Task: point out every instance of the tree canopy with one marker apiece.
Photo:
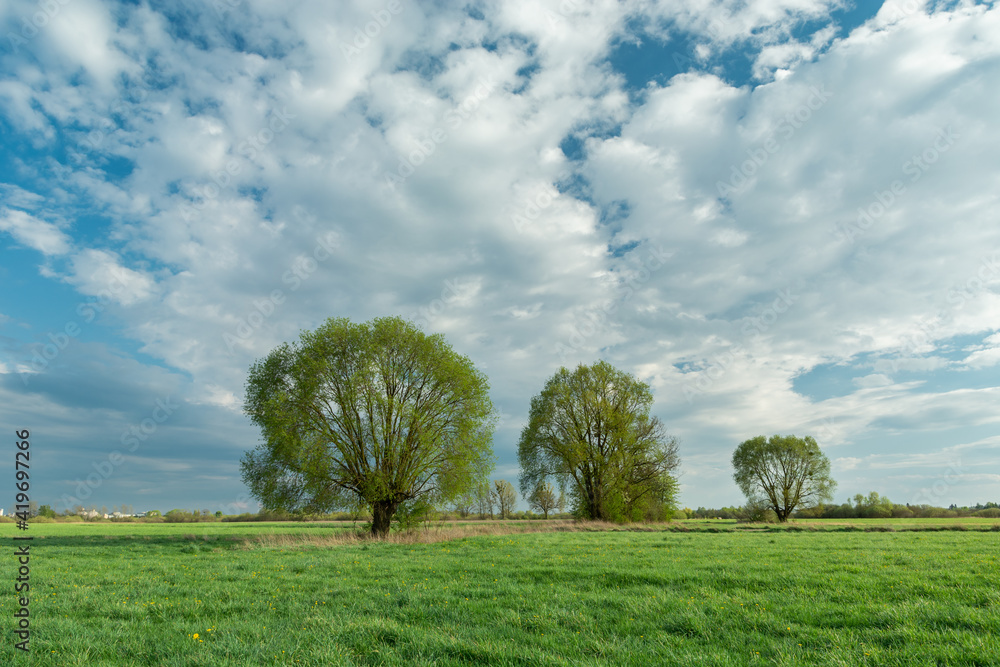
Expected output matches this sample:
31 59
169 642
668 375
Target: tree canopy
590 429
785 472
377 412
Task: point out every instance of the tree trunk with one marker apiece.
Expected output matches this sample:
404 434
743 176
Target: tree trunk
382 513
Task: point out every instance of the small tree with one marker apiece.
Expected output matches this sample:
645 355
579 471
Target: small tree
784 472
464 503
484 500
543 498
505 497
46 511
757 510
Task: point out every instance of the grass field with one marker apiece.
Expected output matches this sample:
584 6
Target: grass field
253 594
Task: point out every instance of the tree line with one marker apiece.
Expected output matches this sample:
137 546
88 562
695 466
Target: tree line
860 507
382 417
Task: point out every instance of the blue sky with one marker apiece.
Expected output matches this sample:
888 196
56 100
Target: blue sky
781 215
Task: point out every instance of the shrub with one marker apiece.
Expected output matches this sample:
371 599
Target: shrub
756 511
901 512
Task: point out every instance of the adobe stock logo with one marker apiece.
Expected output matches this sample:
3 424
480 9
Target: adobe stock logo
741 174
363 38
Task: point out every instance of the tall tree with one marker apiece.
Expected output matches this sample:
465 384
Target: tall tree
590 429
379 412
785 472
484 499
505 497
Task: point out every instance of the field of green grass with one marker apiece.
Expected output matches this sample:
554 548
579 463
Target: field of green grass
242 594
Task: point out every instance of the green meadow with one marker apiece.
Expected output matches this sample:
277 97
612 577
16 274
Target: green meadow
706 593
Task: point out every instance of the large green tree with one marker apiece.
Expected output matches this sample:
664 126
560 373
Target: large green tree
590 429
378 412
785 472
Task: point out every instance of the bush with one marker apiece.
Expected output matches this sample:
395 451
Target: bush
989 513
411 513
901 512
680 515
756 511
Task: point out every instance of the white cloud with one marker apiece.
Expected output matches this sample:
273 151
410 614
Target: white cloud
202 231
870 381
99 273
43 236
983 358
845 463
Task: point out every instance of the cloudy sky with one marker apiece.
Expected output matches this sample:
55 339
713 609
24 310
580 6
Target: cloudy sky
782 215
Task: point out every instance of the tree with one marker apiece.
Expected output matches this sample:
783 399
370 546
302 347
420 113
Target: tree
784 472
590 429
505 497
46 511
379 412
543 498
464 503
484 499
873 507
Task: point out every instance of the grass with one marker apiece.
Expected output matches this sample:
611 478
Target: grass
251 594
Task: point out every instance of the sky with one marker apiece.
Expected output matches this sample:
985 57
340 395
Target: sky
780 215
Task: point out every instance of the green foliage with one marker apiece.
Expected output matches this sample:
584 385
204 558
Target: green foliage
783 472
590 430
46 511
152 513
756 510
505 497
378 412
543 498
412 513
874 506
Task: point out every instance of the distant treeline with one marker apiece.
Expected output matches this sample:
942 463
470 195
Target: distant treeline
872 506
204 516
